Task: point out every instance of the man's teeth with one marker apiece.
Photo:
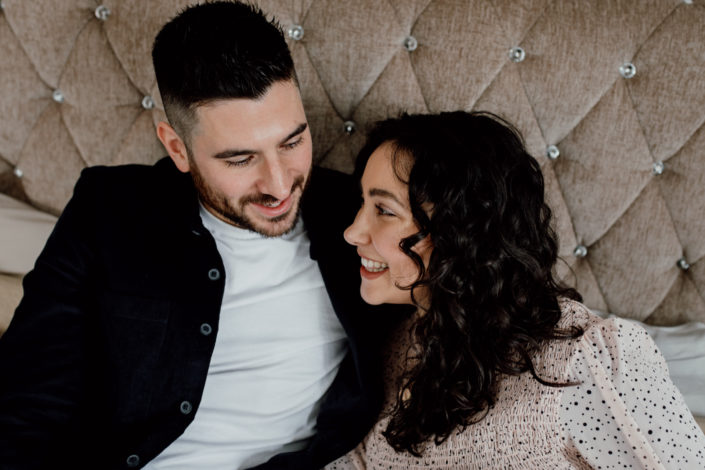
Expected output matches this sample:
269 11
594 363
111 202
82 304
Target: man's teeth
373 266
272 204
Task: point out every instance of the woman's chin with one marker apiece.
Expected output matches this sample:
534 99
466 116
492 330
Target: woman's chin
371 299
379 298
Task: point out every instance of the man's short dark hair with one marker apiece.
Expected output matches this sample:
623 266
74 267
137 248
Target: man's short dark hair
217 50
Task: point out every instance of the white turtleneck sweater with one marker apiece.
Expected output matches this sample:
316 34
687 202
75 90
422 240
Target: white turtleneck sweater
278 349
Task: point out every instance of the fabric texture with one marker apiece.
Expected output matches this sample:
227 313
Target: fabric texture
683 347
625 413
628 182
10 295
278 350
106 346
23 232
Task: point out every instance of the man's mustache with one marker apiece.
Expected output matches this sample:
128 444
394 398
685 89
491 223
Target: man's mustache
264 199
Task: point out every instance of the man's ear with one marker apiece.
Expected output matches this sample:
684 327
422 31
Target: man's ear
174 146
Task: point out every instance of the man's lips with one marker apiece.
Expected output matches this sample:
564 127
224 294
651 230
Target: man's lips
281 208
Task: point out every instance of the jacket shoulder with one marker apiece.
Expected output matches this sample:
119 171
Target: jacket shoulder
119 186
331 200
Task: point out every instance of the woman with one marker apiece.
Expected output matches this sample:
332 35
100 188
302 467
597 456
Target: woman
498 366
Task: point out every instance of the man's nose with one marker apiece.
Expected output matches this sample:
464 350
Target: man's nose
275 179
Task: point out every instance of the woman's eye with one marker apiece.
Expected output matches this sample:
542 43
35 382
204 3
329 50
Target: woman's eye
382 211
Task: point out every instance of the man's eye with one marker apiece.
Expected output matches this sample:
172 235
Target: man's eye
241 162
295 143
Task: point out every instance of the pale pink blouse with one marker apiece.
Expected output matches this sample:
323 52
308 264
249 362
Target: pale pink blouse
626 412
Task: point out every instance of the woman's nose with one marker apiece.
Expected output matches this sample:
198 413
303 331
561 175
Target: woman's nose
354 234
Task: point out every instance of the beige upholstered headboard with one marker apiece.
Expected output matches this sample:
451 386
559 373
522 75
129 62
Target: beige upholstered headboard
610 95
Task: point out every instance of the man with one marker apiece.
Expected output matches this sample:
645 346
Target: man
203 312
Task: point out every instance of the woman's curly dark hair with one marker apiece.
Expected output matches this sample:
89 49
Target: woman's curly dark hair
493 296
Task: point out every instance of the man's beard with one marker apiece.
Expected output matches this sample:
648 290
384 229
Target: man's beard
236 216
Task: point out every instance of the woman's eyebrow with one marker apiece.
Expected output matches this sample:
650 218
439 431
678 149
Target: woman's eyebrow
384 193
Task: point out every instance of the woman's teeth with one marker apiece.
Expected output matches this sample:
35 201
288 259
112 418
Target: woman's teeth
373 266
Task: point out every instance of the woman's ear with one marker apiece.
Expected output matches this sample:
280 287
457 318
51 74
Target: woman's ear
424 248
174 146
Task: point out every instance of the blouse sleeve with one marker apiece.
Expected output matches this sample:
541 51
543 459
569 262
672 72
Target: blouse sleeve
626 412
353 460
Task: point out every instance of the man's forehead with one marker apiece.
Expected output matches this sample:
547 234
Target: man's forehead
272 117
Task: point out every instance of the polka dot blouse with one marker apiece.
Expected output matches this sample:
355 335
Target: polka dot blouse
625 413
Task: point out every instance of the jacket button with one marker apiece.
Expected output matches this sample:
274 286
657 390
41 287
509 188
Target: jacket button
186 407
213 274
206 329
133 460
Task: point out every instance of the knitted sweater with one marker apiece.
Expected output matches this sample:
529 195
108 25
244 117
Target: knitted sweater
625 413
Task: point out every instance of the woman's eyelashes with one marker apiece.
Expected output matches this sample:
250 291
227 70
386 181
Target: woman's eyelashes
381 210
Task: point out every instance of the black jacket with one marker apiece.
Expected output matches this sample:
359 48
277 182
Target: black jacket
109 340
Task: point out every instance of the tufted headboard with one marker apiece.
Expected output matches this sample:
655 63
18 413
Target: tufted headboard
609 94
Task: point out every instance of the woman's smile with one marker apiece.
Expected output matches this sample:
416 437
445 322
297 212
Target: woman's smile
383 221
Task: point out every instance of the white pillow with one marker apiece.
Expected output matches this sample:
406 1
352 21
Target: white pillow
23 232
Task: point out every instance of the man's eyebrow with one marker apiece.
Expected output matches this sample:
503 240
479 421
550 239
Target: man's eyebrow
302 127
384 193
232 153
237 152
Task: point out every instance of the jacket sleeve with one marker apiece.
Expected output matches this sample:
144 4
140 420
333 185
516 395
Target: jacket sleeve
44 358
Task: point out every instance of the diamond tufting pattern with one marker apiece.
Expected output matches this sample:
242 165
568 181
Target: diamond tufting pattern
566 90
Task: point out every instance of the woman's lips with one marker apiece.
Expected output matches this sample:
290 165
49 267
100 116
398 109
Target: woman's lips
369 275
372 269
